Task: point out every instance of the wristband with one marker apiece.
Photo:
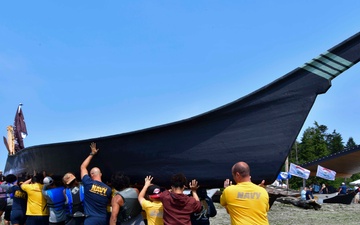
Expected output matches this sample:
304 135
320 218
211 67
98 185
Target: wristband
92 153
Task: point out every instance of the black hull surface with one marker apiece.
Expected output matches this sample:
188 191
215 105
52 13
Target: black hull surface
341 199
259 128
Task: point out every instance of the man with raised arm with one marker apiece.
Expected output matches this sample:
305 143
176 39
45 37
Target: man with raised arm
96 194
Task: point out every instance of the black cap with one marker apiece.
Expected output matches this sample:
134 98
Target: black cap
154 191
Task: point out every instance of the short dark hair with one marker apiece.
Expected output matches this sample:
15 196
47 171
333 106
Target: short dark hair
120 181
242 168
37 178
10 178
178 180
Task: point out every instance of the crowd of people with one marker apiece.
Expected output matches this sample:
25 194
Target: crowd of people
42 198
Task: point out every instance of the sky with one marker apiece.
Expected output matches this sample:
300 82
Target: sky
88 69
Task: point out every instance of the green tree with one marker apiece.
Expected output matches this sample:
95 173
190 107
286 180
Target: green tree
316 143
350 143
313 143
334 142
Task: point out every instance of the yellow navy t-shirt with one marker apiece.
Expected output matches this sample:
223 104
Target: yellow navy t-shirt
246 203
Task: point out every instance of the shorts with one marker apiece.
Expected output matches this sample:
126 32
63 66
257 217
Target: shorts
94 220
18 217
3 204
75 221
7 213
37 220
58 223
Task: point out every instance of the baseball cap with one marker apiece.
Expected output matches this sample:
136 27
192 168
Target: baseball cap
154 191
68 178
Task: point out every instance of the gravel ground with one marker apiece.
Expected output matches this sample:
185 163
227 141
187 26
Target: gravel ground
281 214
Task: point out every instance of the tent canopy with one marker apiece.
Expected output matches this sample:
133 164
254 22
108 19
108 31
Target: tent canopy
355 182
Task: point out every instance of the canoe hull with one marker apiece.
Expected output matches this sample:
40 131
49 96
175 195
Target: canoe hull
259 129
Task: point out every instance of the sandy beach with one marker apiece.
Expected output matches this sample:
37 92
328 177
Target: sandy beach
281 214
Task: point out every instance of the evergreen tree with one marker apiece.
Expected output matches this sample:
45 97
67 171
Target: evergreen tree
334 142
316 143
313 143
350 143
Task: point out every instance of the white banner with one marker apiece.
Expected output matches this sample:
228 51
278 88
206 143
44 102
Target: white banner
325 173
298 171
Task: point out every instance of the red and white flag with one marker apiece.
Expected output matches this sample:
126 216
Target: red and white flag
298 171
325 173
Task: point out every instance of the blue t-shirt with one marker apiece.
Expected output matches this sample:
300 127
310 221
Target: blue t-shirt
343 190
19 198
96 197
309 194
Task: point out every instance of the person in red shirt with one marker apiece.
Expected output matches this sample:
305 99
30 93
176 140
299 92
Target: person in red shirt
178 207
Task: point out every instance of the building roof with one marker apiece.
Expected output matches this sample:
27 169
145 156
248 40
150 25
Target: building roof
344 163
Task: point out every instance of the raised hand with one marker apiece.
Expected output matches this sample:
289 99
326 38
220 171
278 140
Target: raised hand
262 184
227 183
193 185
148 180
94 150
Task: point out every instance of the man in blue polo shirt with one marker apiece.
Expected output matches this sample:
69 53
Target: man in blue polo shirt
96 194
342 189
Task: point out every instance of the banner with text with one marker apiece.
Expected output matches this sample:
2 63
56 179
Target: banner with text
298 171
325 173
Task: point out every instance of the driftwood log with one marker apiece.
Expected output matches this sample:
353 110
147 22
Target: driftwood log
305 204
277 192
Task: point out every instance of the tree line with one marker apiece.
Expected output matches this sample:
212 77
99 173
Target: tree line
315 143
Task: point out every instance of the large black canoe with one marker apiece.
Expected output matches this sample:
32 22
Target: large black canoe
259 128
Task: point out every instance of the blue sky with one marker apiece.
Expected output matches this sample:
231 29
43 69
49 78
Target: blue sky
88 69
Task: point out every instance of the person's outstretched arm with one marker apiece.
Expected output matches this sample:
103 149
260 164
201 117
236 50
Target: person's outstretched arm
116 202
85 164
147 184
194 186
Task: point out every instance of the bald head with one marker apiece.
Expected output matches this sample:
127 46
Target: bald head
95 173
241 171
